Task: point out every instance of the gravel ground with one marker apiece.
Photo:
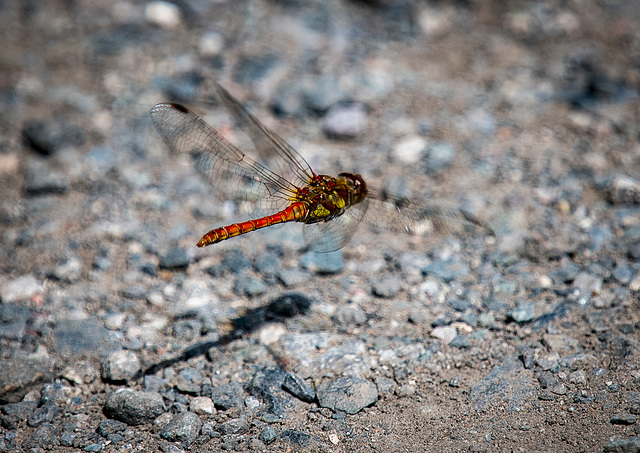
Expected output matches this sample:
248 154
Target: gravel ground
118 334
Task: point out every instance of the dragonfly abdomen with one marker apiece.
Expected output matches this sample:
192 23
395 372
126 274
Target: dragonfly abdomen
296 211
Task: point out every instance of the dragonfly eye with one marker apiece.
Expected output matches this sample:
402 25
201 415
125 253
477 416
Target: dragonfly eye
356 183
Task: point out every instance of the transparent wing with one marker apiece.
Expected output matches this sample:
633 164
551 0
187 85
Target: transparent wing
335 234
272 148
233 175
402 216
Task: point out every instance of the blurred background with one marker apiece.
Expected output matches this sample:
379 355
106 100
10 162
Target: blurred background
523 113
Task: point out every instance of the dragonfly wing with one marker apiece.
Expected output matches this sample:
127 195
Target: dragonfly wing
400 215
336 233
233 174
272 148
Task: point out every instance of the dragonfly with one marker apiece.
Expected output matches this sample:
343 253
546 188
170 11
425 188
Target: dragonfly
331 207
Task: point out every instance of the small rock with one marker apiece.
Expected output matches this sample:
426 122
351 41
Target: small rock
323 263
267 385
20 289
44 414
622 274
445 334
13 321
234 426
44 437
175 259
227 396
271 332
19 376
121 366
211 44
588 284
347 394
447 271
623 190
251 287
202 405
387 287
292 277
560 343
349 315
69 271
297 386
251 68
134 407
267 435
410 150
14 414
628 445
51 136
107 427
578 377
163 14
84 335
565 274
523 313
184 427
345 122
624 419
437 157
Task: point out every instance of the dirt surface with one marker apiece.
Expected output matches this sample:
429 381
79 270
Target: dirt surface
118 334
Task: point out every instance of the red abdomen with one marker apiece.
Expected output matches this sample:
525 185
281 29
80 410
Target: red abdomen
297 211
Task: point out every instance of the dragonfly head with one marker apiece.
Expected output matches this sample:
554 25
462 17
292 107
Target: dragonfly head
357 186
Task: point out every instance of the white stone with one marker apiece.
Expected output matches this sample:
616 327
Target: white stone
163 14
202 405
270 333
22 288
211 44
410 149
446 334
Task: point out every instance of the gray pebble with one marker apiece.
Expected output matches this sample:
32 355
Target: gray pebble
349 315
121 366
437 157
68 271
347 394
446 270
323 263
238 425
345 121
47 137
134 407
226 396
107 427
184 427
176 258
19 376
267 386
387 287
624 419
628 445
267 435
249 286
523 313
84 335
13 321
564 274
44 414
43 437
299 388
11 415
622 274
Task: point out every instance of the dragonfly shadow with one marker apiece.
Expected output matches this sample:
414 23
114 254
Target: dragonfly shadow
286 306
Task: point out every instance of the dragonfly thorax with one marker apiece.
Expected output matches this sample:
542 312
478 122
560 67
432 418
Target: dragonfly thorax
327 197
